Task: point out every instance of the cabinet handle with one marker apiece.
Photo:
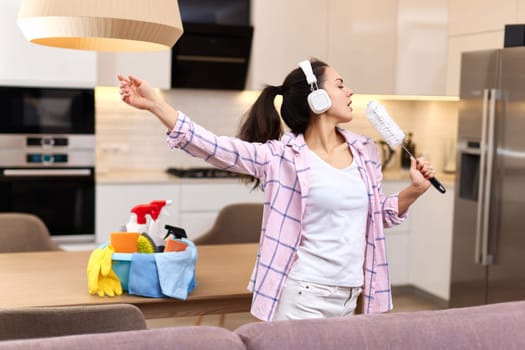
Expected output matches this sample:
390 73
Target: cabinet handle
47 172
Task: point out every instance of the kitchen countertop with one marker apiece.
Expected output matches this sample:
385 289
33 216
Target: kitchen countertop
152 177
160 177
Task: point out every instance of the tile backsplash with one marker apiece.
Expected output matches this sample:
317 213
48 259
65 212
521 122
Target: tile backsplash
130 139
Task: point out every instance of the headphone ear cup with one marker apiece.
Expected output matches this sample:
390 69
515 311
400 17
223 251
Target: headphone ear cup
319 101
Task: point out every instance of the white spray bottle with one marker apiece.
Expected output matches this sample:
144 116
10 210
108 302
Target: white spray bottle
155 231
138 221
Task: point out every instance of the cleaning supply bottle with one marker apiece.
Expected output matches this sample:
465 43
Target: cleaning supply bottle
138 221
175 244
411 147
157 208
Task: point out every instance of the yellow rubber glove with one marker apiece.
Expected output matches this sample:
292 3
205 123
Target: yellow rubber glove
101 278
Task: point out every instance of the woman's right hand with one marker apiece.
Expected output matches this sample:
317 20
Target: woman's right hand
137 93
141 95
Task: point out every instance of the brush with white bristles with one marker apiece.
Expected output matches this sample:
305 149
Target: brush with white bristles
391 133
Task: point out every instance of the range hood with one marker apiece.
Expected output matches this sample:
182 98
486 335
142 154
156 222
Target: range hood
211 56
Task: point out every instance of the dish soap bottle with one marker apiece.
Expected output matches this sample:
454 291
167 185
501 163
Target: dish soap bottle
405 157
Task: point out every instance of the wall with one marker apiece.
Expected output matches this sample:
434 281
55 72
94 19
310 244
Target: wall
131 139
128 138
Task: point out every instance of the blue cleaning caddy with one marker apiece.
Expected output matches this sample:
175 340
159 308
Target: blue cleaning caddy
158 275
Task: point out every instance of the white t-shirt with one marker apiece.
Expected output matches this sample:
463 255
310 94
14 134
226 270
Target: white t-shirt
332 249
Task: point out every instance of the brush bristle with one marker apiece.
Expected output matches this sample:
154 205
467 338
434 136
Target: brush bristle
381 121
145 244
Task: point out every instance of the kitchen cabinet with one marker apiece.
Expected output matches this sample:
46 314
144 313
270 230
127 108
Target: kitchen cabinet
431 242
195 205
378 46
476 16
155 67
398 241
200 203
465 43
114 202
285 33
26 64
419 250
361 43
477 25
421 52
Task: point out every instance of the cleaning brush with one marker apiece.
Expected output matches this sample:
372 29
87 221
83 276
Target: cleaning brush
145 244
391 133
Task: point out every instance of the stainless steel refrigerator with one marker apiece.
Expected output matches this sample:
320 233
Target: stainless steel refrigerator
488 252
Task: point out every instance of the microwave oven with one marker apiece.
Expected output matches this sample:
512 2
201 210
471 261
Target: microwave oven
42 110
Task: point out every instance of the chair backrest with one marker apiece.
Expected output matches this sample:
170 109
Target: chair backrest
24 232
69 320
236 223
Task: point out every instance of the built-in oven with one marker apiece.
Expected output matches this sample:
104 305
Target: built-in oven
47 158
39 110
53 178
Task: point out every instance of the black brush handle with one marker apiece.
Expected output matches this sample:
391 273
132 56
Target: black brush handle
435 182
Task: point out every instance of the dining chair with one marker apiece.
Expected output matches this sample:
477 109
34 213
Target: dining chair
44 322
24 232
235 223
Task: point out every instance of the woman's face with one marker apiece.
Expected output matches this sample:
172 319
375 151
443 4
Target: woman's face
340 95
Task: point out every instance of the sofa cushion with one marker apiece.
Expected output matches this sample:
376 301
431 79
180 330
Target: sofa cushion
180 338
495 326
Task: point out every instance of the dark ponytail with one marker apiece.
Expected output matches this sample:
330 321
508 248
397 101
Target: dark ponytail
263 123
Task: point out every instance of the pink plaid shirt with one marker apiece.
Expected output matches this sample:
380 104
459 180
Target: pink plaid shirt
283 166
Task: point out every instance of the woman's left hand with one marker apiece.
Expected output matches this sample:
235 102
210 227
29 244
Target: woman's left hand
420 171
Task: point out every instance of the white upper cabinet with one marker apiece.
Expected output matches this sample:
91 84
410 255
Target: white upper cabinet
377 46
421 47
521 11
26 64
476 16
285 33
477 25
155 67
362 44
464 43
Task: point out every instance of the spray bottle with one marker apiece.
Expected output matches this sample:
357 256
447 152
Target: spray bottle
175 244
157 208
138 221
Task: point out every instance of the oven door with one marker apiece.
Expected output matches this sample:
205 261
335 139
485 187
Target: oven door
64 198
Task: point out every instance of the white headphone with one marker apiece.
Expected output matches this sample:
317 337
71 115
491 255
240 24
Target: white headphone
318 99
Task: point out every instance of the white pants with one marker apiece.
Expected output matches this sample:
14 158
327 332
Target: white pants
302 300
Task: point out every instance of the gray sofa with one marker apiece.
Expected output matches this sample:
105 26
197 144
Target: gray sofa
495 326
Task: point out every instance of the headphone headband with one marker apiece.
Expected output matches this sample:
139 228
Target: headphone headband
306 66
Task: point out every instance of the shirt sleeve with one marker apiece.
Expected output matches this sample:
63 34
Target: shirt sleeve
224 152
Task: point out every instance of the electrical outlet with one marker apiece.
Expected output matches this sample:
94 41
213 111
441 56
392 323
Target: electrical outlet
114 148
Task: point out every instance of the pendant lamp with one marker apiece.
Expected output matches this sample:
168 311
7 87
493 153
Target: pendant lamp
102 25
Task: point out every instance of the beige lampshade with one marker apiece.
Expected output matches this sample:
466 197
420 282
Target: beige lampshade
102 25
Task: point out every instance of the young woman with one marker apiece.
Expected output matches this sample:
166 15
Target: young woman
322 240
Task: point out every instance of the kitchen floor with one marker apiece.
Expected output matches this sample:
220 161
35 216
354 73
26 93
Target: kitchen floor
405 299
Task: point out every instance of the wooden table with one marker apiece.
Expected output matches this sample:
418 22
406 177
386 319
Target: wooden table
43 279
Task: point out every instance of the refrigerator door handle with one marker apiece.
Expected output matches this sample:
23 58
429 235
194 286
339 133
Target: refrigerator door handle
485 177
485 258
481 185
